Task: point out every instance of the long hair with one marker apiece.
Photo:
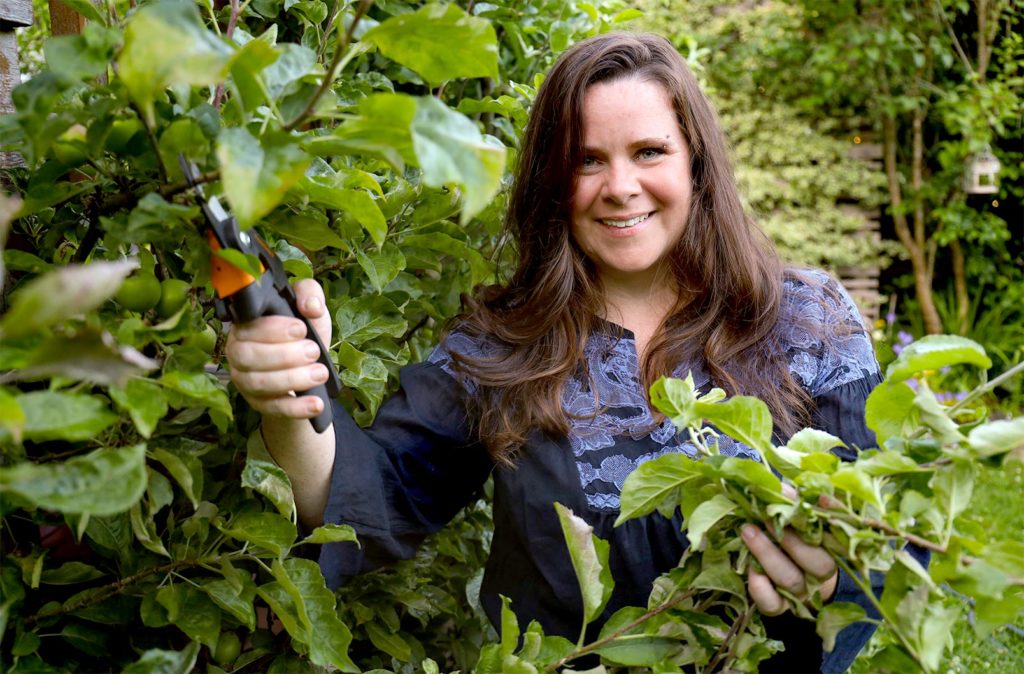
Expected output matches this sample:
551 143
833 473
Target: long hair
729 276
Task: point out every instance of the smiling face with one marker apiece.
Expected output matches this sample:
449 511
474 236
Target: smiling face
632 194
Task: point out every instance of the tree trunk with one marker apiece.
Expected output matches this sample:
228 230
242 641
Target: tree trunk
913 242
963 299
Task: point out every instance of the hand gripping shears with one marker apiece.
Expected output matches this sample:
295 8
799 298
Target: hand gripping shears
241 297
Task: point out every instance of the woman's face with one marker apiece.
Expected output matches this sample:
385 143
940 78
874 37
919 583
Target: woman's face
632 194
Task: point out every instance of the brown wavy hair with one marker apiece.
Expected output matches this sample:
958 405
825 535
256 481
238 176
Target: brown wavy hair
728 273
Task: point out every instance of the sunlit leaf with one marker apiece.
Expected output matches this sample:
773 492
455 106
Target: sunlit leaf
144 401
266 477
267 530
104 482
933 352
654 485
86 356
997 437
381 266
440 42
706 516
165 43
62 294
157 661
332 533
833 618
450 149
589 555
257 173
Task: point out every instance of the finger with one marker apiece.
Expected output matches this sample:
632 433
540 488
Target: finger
304 407
269 329
310 298
789 490
811 558
782 571
277 383
248 356
762 591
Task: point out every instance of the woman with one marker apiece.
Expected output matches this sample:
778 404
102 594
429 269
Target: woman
635 260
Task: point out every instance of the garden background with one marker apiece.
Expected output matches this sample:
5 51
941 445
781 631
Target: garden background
145 527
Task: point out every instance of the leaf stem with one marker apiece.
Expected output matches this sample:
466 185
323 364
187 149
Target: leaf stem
590 648
116 587
332 69
982 390
721 655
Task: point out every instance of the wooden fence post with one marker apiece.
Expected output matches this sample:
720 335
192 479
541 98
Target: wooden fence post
13 14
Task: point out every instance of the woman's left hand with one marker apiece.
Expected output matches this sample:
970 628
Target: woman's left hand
786 565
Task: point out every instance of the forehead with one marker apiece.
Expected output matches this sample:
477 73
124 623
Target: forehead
626 106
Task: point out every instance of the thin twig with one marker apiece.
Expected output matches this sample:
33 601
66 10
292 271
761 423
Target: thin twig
116 587
737 628
590 648
331 73
982 390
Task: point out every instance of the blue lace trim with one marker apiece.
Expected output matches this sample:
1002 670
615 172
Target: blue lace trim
612 430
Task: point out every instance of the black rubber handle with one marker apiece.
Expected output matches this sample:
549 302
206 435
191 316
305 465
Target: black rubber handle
279 306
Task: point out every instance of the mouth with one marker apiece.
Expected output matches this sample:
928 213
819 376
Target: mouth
627 223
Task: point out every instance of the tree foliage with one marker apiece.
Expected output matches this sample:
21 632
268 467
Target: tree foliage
145 527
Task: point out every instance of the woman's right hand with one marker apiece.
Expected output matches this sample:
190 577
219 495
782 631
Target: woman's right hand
270 358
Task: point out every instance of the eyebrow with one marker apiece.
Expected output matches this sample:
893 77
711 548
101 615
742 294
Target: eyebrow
640 143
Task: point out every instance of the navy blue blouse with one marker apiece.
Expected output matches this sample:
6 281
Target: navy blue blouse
409 473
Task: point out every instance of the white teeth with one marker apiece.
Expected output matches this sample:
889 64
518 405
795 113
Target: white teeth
622 224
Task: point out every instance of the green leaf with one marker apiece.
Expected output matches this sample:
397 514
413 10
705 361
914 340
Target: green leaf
888 410
382 129
509 628
266 477
361 206
833 618
332 533
104 482
953 485
382 266
811 441
440 42
237 602
61 294
717 574
308 229
389 642
450 149
144 401
934 416
328 638
742 418
165 43
589 556
654 485
157 661
256 175
145 531
997 437
55 415
676 398
12 417
360 319
191 611
186 470
933 352
86 356
705 516
639 650
70 573
199 388
267 530
859 483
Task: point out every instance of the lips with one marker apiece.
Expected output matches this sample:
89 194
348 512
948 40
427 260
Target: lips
624 223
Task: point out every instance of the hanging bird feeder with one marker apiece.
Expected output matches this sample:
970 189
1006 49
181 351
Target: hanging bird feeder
981 175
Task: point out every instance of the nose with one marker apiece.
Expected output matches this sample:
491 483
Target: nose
622 182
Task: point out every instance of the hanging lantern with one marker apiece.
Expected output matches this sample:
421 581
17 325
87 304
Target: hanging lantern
981 175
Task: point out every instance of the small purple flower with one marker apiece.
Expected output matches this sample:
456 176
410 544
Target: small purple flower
904 337
943 397
890 318
897 349
912 383
959 396
944 370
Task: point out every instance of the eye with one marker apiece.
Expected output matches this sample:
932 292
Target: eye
650 152
588 162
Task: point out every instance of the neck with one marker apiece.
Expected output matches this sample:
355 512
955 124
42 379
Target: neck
640 308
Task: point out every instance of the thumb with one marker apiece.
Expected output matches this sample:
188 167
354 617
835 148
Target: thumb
309 296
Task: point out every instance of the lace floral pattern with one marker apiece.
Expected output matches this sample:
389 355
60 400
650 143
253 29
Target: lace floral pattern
612 430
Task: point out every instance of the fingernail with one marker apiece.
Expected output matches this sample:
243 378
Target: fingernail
316 405
312 351
313 305
748 531
318 373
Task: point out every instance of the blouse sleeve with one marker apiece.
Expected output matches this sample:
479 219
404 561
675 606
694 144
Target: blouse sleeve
405 476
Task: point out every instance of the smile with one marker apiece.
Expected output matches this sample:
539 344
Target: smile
623 224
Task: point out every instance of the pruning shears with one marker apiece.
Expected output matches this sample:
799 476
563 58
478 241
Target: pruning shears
241 297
